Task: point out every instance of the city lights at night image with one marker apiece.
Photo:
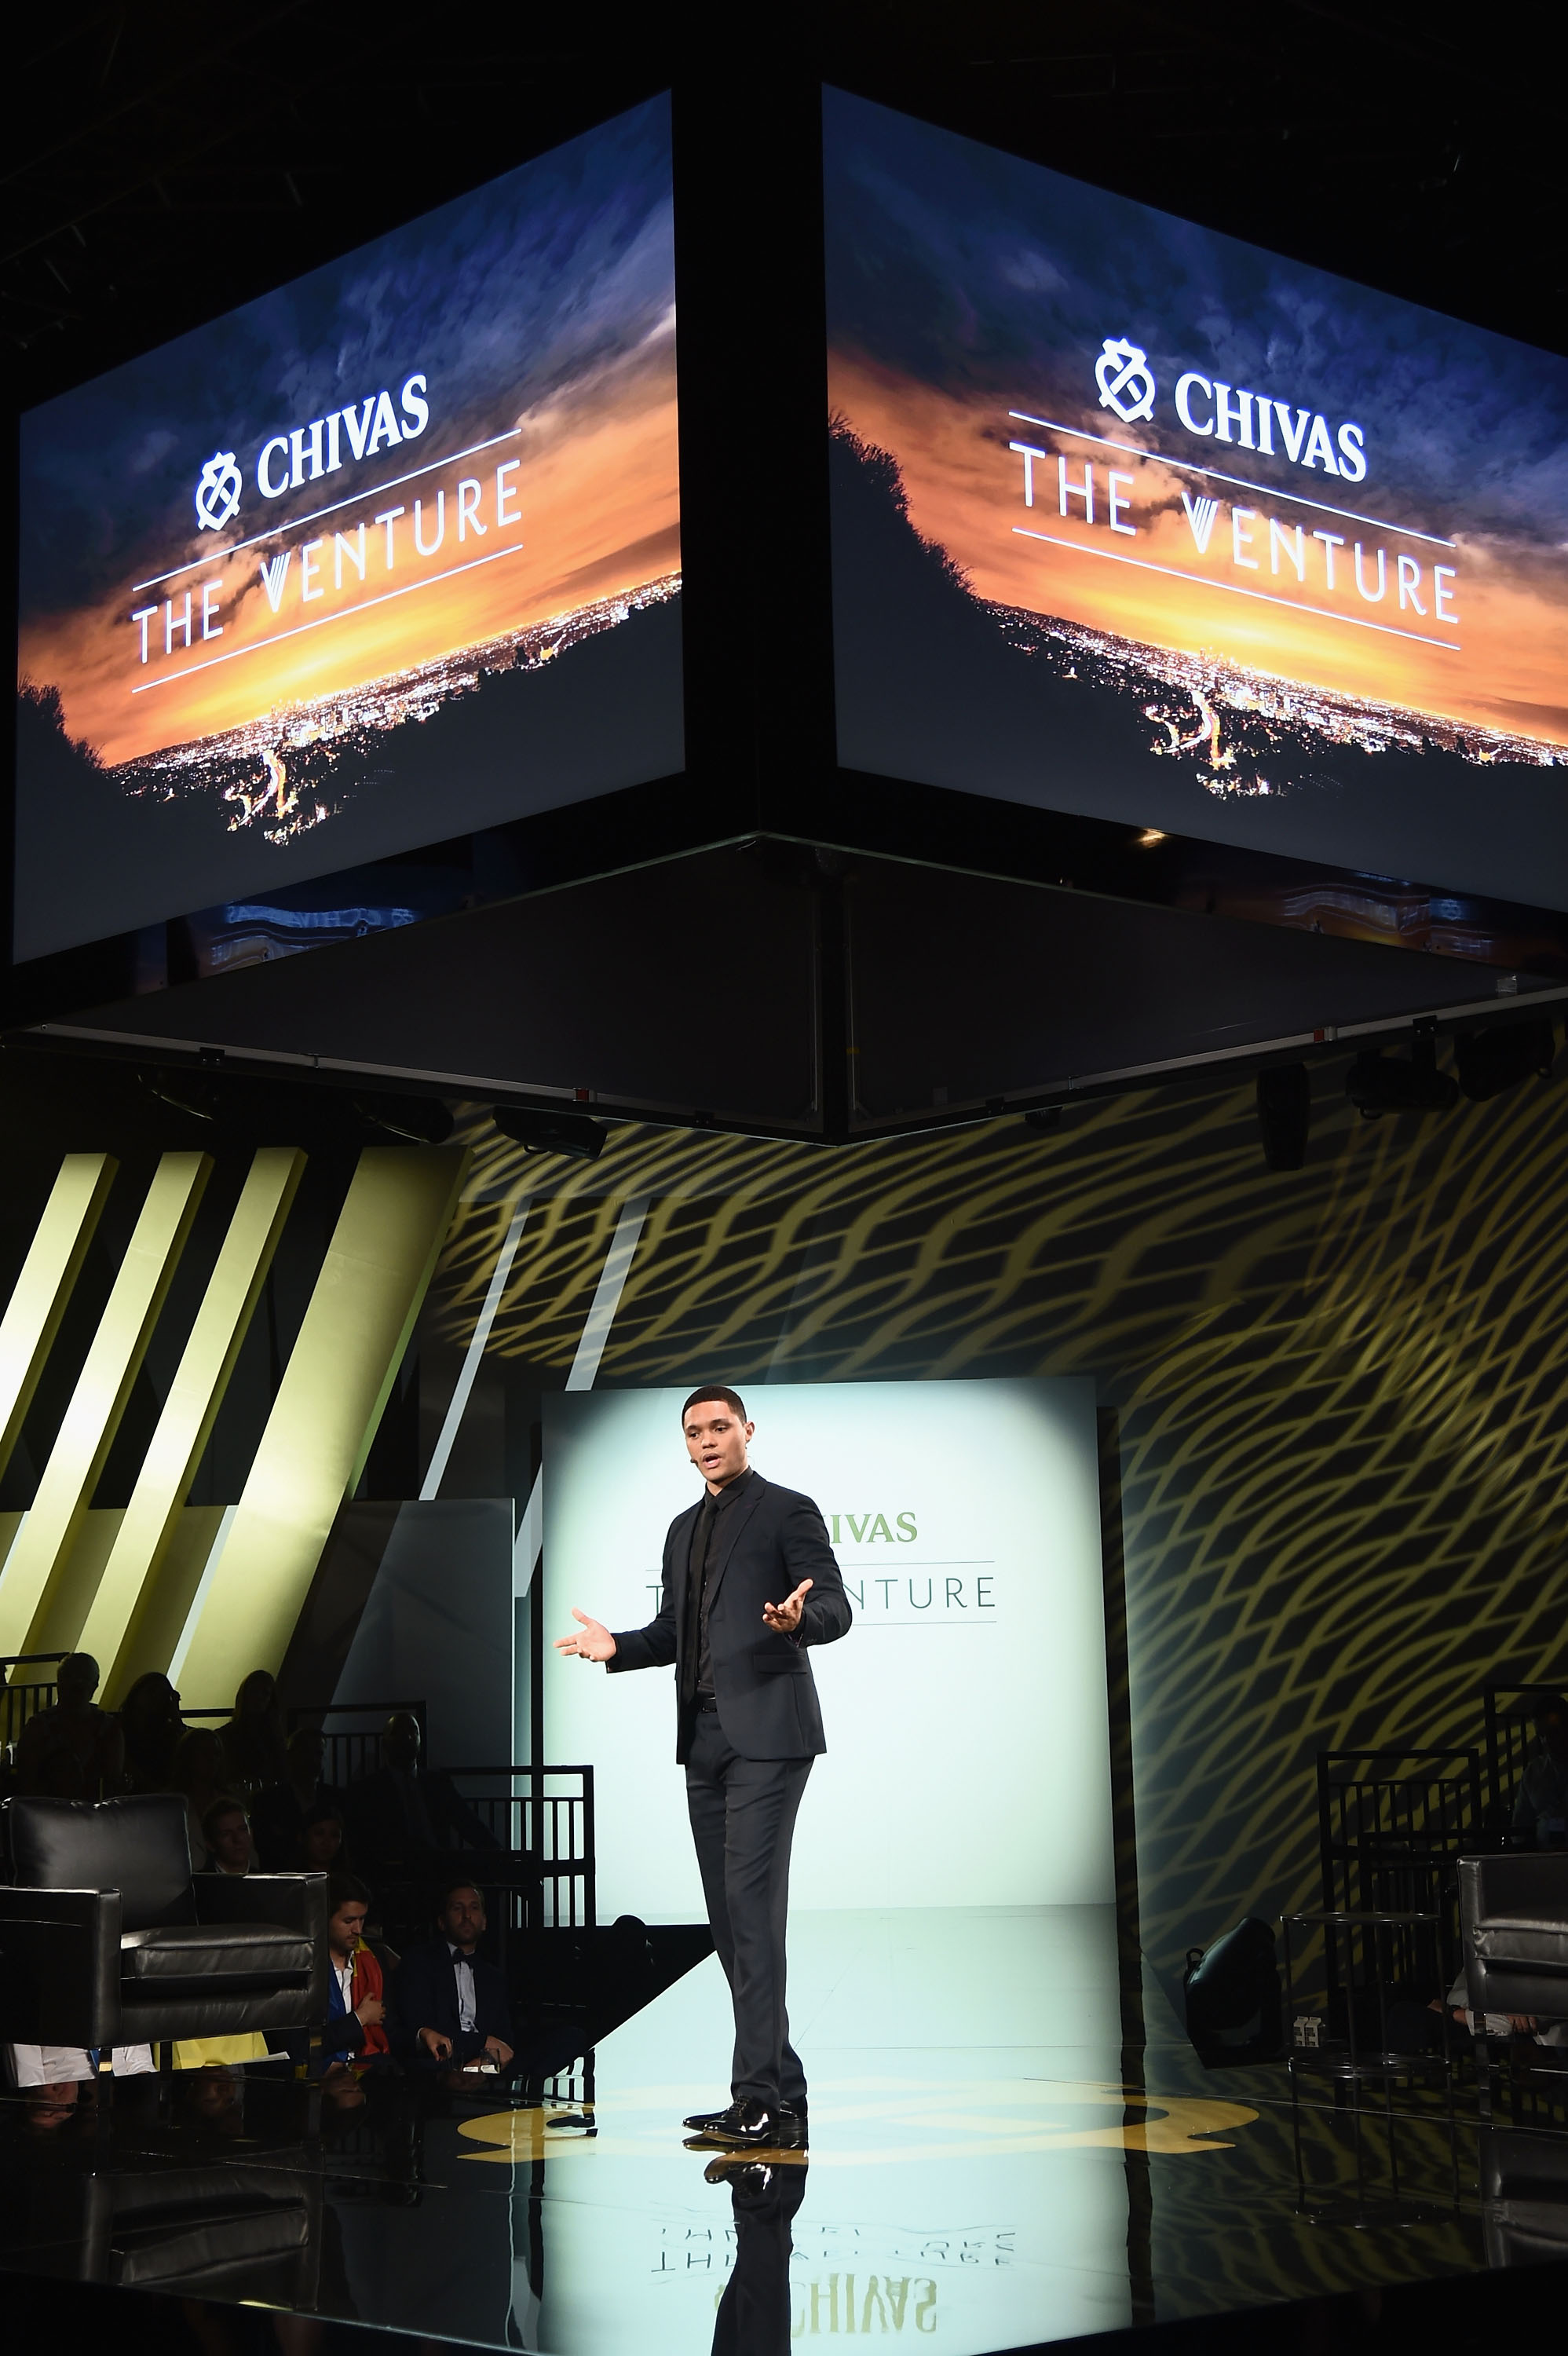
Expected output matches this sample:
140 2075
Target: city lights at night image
1134 520
389 555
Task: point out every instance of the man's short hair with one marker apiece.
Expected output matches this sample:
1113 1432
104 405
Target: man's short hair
345 1890
732 1401
222 1808
458 1881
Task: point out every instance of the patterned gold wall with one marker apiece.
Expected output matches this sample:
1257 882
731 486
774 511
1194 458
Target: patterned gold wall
1339 1394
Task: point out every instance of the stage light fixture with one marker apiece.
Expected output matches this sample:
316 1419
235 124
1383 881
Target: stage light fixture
418 1120
1285 1114
1500 1054
1377 1083
571 1133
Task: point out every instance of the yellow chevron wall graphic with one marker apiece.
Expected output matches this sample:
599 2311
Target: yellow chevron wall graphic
123 1583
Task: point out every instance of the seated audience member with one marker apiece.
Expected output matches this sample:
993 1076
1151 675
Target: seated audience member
401 1817
255 1755
198 1775
281 1812
151 1727
1413 2027
451 2006
226 1836
1540 1809
356 1996
72 1749
322 1847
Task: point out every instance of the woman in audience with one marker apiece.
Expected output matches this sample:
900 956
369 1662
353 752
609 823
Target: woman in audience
151 1726
255 1755
198 1775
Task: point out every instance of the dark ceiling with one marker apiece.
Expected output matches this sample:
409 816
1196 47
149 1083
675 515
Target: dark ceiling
165 162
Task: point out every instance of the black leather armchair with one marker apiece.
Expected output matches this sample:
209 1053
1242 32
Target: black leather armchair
1513 1918
1524 2197
1513 1936
108 1938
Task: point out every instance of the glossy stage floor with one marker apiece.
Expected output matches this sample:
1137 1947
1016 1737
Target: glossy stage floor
1000 2158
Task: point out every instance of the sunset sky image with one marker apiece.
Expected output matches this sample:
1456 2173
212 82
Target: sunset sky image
970 295
1505 666
538 315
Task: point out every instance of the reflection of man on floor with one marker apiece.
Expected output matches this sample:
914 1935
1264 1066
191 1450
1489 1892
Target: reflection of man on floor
452 2006
754 2314
747 1730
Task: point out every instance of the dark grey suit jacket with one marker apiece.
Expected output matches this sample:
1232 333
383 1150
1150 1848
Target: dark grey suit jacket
772 1538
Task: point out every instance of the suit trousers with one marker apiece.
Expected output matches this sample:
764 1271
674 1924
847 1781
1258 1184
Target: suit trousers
743 1820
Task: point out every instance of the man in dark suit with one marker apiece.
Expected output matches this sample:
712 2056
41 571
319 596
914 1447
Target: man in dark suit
748 1728
402 1817
451 2006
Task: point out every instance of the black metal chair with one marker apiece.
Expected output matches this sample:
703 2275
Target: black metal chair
1392 1827
108 1938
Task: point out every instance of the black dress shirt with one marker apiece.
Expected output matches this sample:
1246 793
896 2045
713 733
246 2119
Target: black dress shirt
698 1680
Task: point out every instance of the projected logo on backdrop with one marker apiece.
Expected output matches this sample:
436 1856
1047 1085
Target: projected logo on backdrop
917 1593
385 556
1134 519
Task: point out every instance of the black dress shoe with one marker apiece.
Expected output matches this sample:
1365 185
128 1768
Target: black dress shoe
790 2115
747 2126
700 2121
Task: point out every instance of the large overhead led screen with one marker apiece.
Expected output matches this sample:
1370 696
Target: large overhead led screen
1133 519
385 557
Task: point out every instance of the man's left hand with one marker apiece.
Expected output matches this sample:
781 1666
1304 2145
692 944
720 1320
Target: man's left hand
499 2050
783 1618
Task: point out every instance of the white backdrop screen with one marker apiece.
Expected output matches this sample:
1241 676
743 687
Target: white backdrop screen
967 1757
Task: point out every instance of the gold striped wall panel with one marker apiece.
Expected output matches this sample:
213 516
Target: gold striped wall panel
137 1615
43 1601
356 1329
1341 1395
43 1289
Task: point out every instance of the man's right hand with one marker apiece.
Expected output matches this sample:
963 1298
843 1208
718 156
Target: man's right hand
592 1641
438 2047
371 2012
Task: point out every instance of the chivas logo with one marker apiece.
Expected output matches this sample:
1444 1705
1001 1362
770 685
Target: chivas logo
1126 383
218 492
